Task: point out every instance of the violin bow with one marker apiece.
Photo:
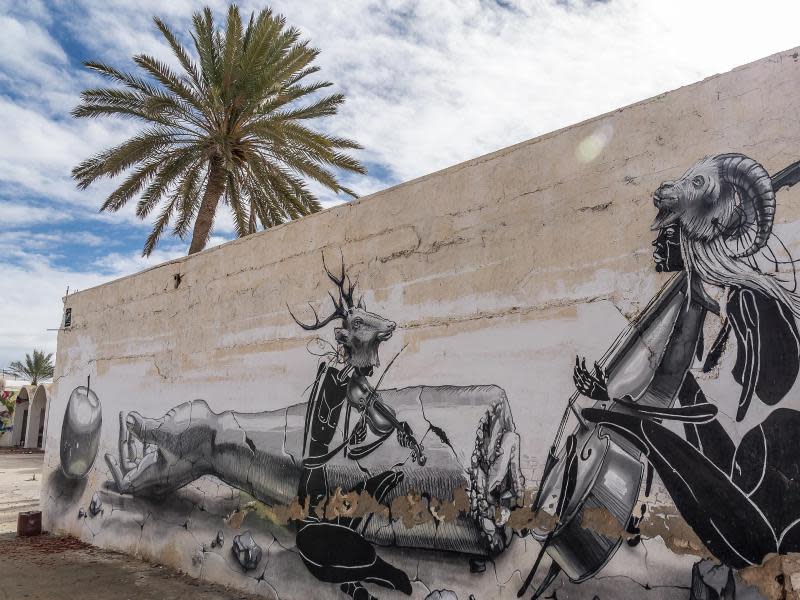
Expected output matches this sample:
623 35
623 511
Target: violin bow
391 362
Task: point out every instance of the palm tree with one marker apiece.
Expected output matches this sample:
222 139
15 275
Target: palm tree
233 126
33 369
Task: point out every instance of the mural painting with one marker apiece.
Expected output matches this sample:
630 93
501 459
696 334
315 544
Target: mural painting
715 228
323 459
360 476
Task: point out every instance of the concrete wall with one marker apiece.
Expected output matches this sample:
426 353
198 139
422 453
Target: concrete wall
497 272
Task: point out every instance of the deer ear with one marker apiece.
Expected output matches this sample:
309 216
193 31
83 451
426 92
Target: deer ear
361 303
342 335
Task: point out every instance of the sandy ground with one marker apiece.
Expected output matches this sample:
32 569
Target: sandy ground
20 481
57 568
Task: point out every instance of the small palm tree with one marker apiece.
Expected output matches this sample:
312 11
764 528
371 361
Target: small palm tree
233 126
34 369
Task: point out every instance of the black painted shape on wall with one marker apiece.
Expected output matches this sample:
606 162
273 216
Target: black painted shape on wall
768 347
337 554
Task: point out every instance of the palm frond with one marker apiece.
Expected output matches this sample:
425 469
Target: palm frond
131 81
34 368
161 72
158 227
241 215
203 37
114 161
231 51
180 53
132 185
189 189
163 182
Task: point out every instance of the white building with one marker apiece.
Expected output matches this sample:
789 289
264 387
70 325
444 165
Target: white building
29 420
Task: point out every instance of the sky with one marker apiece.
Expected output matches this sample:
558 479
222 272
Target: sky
429 83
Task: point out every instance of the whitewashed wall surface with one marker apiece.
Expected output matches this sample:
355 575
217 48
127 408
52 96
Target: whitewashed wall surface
425 430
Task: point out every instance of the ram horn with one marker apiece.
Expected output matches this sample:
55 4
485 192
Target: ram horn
754 186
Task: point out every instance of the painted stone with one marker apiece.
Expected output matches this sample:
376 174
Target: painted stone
80 432
219 541
96 505
246 551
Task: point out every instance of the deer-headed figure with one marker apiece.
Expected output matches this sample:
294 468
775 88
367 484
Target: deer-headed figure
360 336
361 331
337 551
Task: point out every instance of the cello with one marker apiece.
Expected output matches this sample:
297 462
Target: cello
595 467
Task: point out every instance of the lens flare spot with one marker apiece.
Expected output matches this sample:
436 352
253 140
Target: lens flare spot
593 145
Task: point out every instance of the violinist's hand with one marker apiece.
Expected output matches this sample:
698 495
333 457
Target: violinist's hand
592 385
405 435
359 433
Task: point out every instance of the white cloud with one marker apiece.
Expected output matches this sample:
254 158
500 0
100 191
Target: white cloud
430 84
26 241
123 264
17 213
30 303
33 288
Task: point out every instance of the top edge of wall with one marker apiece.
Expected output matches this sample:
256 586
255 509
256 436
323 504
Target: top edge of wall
489 156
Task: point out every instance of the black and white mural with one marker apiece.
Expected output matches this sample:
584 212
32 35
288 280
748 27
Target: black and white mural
353 468
365 486
714 229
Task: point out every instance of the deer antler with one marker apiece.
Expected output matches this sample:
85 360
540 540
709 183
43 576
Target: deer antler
338 313
340 308
345 294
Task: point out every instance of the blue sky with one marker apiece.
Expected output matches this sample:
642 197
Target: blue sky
429 84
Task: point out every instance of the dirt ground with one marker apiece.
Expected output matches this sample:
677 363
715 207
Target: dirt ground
58 568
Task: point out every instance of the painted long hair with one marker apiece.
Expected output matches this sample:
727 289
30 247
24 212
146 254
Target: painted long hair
770 271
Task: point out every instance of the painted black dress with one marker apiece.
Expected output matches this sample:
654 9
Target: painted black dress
334 551
743 501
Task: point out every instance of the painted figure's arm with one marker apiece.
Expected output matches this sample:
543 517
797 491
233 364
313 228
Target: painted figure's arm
359 452
381 419
261 455
595 386
158 456
592 385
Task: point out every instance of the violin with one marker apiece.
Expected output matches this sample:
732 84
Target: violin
381 418
596 468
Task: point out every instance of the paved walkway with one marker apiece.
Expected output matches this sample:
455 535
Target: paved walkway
20 480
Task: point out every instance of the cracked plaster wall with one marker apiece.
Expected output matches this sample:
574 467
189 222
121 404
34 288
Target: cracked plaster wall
498 271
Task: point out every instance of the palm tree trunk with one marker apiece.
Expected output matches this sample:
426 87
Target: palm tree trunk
208 206
251 224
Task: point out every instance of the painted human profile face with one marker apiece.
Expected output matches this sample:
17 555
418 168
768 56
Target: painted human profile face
667 249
